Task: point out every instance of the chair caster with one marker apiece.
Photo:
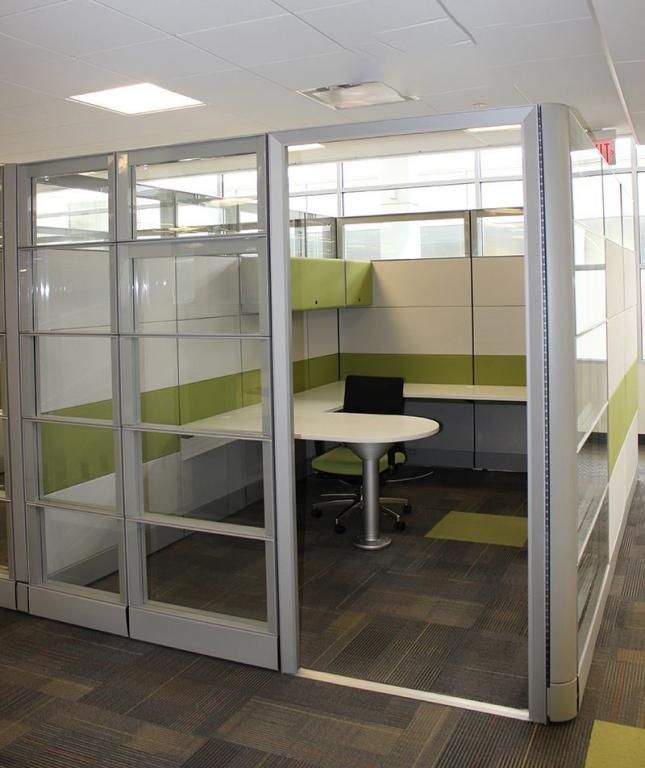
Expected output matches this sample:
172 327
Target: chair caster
316 512
339 528
399 525
407 509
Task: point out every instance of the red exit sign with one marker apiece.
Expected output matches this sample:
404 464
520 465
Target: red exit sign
606 145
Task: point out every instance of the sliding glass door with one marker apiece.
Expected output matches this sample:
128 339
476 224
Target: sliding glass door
147 396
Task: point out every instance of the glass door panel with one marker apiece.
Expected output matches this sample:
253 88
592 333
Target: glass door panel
196 402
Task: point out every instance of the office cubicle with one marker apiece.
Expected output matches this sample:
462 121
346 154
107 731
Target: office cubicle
153 361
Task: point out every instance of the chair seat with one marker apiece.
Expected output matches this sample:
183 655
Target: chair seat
343 461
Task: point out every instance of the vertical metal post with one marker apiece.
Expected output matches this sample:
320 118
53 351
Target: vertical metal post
19 526
285 505
536 379
561 461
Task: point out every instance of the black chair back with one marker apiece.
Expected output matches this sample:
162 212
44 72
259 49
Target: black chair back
374 394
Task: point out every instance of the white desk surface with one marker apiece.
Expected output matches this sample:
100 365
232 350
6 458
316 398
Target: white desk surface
361 427
332 394
310 406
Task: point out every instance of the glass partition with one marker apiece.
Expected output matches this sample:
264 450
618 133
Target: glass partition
194 197
594 213
72 207
424 236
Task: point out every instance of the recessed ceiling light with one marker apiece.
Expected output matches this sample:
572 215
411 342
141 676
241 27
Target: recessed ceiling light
352 96
138 99
305 147
493 128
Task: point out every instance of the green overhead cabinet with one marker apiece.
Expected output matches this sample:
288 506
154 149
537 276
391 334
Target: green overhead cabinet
358 283
321 283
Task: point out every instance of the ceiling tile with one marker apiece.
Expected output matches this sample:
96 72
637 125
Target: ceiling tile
48 112
297 6
316 71
359 21
243 93
12 96
420 38
623 23
76 28
497 95
567 81
7 7
510 45
165 58
181 16
631 76
261 42
49 72
475 13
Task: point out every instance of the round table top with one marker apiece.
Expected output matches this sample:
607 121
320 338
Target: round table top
363 427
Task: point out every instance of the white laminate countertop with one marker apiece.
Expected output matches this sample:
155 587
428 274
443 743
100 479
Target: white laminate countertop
320 401
361 427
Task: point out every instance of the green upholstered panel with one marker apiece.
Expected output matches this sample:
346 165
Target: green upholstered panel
423 369
343 461
358 283
623 406
317 283
73 454
500 370
314 372
102 409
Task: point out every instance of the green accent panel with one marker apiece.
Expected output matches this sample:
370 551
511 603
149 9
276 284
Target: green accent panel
314 372
503 530
358 283
343 461
317 283
423 369
102 409
299 373
73 454
500 370
623 406
160 406
631 384
154 445
201 399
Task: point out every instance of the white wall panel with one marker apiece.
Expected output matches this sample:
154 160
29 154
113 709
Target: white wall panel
421 283
322 332
615 351
631 277
615 278
631 337
298 336
407 330
499 331
498 282
73 371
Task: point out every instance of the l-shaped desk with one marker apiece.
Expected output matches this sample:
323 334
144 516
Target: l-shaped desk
316 417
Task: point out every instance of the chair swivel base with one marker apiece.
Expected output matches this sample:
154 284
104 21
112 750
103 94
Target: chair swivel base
354 501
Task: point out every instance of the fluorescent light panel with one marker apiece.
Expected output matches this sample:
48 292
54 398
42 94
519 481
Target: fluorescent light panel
491 128
353 96
139 99
305 147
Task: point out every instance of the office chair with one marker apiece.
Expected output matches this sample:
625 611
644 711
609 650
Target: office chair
363 394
